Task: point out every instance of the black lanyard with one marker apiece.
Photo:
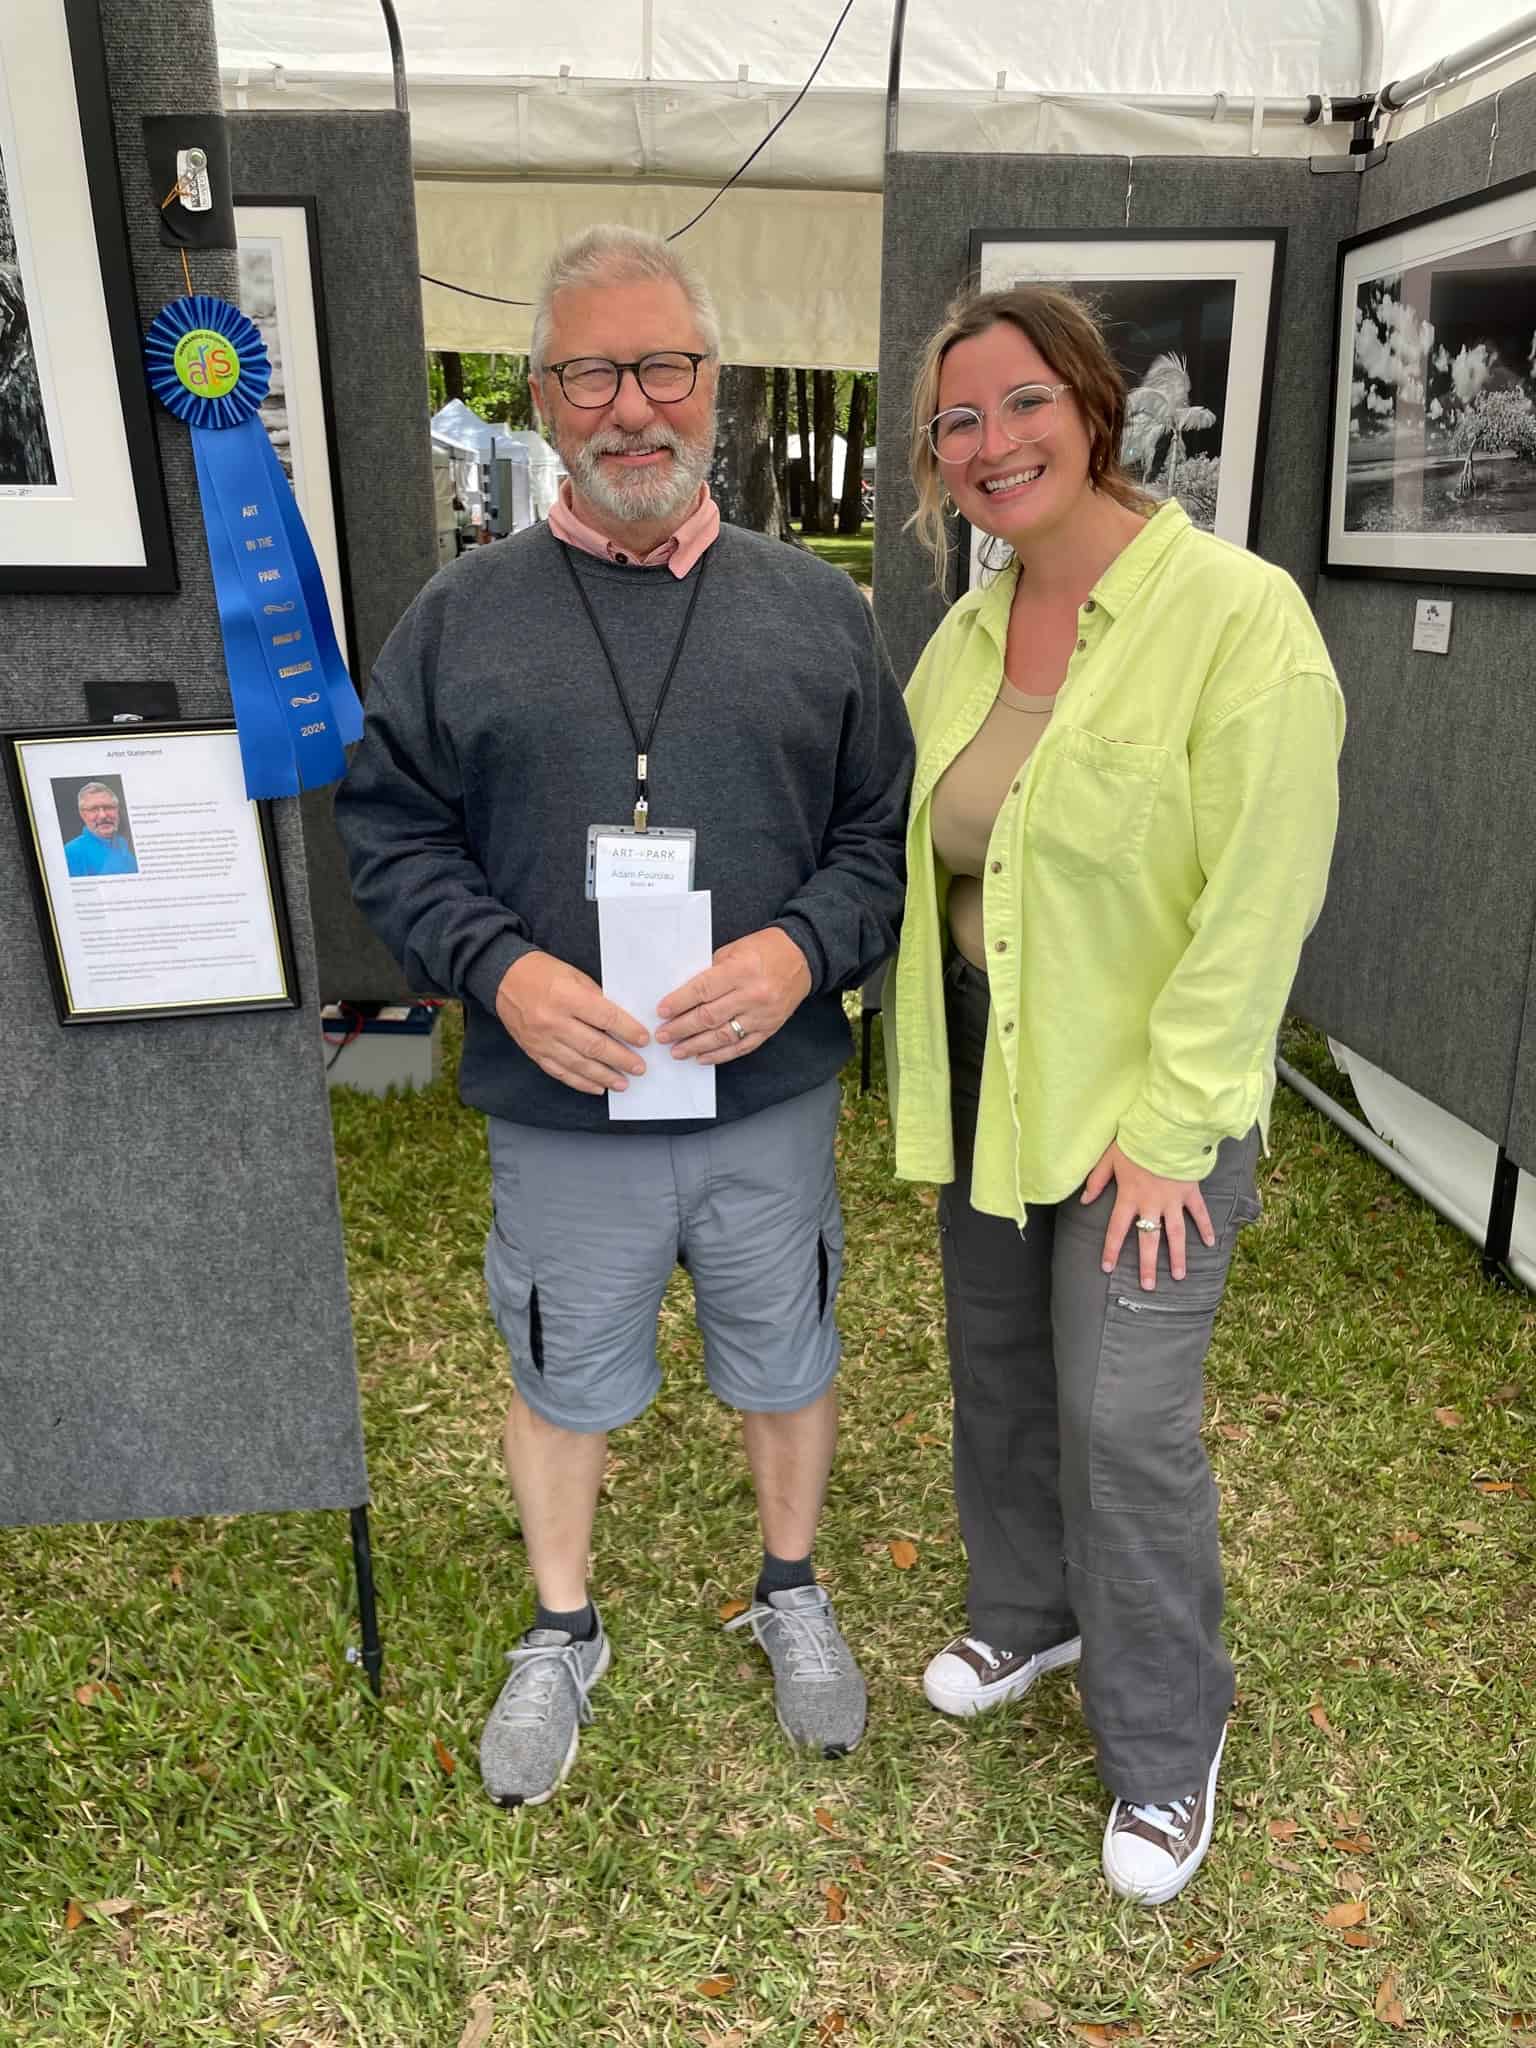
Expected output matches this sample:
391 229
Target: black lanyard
642 746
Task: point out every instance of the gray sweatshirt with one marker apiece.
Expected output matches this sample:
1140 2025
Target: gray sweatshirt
494 738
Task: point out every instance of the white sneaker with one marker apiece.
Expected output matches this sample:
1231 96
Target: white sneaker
1151 1852
968 1676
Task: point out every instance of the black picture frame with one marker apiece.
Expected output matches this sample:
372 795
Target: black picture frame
157 572
1433 560
1276 237
12 743
307 203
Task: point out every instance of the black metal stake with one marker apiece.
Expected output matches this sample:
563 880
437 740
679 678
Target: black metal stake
1501 1220
367 1609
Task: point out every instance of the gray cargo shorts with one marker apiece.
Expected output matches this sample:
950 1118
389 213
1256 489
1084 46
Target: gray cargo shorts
588 1226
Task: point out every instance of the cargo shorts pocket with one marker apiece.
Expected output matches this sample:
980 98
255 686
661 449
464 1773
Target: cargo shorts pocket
829 1257
514 1298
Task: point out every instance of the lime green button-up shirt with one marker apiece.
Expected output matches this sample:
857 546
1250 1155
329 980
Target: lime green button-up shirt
1149 881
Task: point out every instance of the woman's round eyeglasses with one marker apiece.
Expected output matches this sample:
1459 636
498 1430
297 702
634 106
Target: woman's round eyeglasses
1024 415
593 381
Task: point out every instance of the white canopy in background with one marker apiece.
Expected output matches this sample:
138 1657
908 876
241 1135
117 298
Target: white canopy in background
652 103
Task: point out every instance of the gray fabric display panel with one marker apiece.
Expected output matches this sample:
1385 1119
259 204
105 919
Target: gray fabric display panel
175 1335
933 202
1422 959
357 168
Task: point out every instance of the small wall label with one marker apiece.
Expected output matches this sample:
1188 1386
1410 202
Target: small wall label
1432 625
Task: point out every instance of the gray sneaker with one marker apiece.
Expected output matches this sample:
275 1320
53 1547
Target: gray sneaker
530 1741
818 1690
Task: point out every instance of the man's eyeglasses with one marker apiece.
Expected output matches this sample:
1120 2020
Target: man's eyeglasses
593 381
1025 415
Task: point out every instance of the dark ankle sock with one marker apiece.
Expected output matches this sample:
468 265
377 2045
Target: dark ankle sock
580 1624
783 1574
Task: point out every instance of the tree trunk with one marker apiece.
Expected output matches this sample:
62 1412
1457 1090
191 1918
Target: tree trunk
806 501
850 515
743 481
453 373
824 400
781 449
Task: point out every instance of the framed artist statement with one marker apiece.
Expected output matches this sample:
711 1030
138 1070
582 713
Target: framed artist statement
82 504
280 291
1432 471
155 877
1191 321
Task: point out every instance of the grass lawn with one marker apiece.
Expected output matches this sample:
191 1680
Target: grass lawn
210 1834
853 552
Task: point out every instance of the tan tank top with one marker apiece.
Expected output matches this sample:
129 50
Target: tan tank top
968 797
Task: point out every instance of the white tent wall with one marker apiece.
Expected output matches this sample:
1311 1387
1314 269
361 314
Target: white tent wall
529 125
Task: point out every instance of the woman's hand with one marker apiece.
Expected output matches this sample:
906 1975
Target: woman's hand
1139 1193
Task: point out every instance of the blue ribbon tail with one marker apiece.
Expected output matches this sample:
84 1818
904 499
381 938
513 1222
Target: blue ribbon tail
294 702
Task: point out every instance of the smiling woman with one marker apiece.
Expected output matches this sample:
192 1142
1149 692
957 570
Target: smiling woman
1127 748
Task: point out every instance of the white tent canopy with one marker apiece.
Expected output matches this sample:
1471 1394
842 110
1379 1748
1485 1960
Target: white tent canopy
648 101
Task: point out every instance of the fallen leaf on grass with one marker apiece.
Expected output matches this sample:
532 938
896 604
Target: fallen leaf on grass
926 1441
1034 2009
1105 2035
482 2017
1468 1528
1320 1718
964 1993
729 1609
176 1578
903 1553
1355 1845
1400 1537
1349 1914
1449 1418
444 1757
1357 1937
113 1909
825 1821
833 2024
1351 1880
1198 1963
1505 1396
1234 1432
1284 1830
1389 2009
703 1885
74 1916
906 1421
1494 1485
716 1987
837 1903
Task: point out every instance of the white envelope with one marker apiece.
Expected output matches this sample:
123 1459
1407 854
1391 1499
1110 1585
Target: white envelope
651 946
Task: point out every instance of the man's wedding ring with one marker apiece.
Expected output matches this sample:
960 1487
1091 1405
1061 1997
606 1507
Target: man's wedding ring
740 1030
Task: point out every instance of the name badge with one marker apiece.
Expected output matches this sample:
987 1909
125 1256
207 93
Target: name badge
624 862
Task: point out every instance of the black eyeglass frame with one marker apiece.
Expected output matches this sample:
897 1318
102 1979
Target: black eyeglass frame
692 356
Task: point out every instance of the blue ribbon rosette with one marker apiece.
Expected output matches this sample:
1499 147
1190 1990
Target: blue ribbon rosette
294 703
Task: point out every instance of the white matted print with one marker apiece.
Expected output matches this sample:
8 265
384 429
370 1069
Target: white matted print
1433 469
1190 320
81 501
278 293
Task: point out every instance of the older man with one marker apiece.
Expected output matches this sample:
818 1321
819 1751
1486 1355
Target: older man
632 658
100 847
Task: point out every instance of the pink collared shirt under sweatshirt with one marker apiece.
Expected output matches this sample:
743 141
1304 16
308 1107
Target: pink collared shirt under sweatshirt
679 552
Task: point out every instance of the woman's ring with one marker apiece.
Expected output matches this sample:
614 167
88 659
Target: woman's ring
735 1024
1149 1222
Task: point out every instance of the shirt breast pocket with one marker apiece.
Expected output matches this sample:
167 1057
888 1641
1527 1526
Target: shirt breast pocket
1091 802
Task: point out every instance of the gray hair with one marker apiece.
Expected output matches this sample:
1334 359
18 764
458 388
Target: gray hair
86 788
617 255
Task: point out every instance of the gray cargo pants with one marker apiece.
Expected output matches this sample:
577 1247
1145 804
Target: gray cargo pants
1086 1501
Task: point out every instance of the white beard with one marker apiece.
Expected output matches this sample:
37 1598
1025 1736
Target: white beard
647 495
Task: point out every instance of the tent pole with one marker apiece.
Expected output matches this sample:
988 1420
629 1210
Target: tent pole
1461 64
893 81
396 55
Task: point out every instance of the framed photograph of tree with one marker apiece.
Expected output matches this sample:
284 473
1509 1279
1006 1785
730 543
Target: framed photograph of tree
1432 472
1191 321
82 503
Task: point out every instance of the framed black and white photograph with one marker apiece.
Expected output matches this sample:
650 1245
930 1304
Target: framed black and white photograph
280 292
82 502
154 875
1191 322
1432 468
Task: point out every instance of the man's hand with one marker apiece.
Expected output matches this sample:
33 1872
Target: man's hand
1140 1193
759 981
567 1026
